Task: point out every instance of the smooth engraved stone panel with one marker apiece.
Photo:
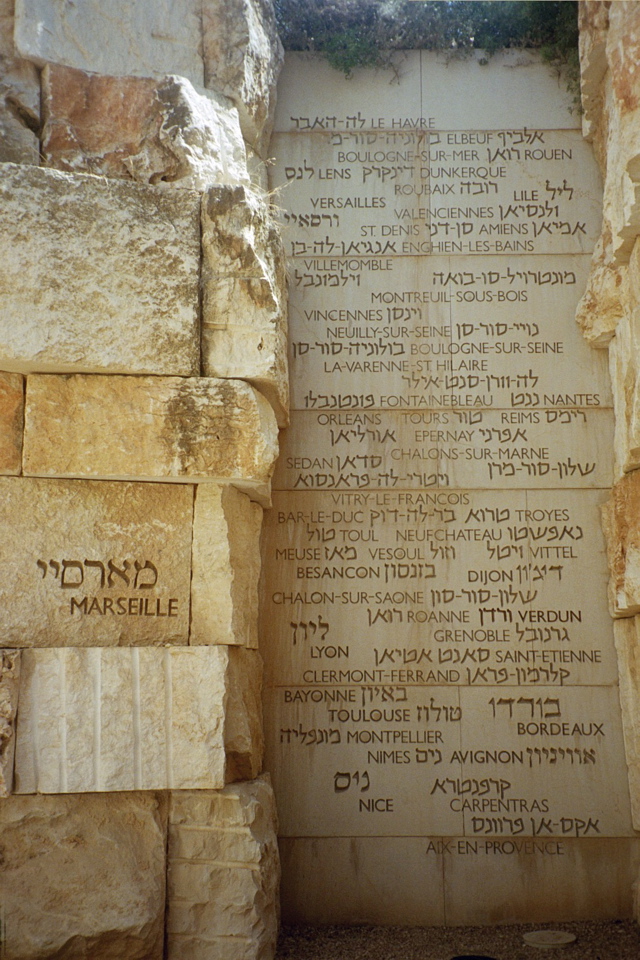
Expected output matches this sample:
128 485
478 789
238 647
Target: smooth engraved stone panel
85 283
352 758
540 880
470 587
83 876
425 91
226 567
150 428
144 39
531 191
377 880
9 690
139 128
115 568
223 873
557 751
11 422
332 447
143 718
449 326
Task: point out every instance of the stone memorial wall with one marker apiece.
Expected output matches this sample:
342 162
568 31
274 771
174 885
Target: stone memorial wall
443 719
143 359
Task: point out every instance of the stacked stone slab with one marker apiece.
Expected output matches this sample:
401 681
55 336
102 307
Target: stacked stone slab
608 315
143 380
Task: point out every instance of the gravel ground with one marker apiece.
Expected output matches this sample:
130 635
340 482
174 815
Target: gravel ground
617 940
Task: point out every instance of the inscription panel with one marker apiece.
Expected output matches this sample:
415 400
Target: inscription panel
439 656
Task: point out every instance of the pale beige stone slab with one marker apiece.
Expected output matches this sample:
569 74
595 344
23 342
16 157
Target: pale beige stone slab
529 881
244 294
113 569
242 59
83 876
86 285
387 880
223 873
594 24
103 720
565 447
471 96
446 325
150 428
438 192
168 132
558 749
9 689
11 422
19 97
466 586
226 567
626 636
350 767
243 734
620 518
601 307
143 39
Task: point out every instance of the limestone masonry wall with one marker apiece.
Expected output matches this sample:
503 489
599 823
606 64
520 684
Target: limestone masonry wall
144 379
609 315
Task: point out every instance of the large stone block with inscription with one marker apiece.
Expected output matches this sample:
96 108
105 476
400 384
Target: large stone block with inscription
19 97
223 873
139 128
139 718
9 690
242 59
244 294
83 876
150 428
97 275
144 39
11 422
113 569
226 567
621 517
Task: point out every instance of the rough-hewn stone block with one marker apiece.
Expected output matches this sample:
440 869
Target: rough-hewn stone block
83 876
123 719
9 689
139 128
97 275
115 37
621 519
242 59
19 98
223 874
243 734
150 428
11 422
225 567
86 563
244 295
627 637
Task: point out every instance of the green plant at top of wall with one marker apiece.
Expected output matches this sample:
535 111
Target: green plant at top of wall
364 33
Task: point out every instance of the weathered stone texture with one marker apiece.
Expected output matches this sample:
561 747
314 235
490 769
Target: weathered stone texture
244 294
98 275
138 128
19 97
242 59
115 37
621 519
83 876
150 428
123 719
223 874
9 690
593 20
88 563
11 422
243 734
627 638
225 567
